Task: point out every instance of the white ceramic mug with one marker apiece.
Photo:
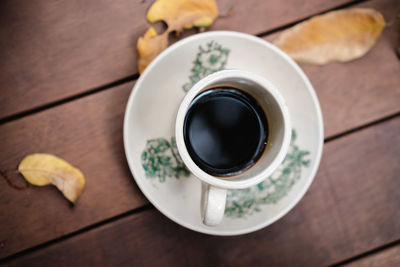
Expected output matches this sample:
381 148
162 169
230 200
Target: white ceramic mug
214 188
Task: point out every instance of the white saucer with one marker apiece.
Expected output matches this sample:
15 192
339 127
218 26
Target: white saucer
150 122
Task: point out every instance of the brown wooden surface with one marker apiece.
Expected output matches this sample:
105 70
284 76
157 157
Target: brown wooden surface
54 50
349 209
388 257
51 50
92 128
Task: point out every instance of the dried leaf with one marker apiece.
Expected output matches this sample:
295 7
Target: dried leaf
149 46
341 35
43 169
183 14
179 15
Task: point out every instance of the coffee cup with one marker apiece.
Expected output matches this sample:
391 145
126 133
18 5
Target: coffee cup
232 131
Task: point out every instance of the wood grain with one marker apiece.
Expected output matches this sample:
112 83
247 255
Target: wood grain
363 90
387 257
88 134
51 50
351 207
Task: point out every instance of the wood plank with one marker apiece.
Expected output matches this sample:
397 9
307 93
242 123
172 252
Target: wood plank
387 257
88 134
366 89
51 50
351 207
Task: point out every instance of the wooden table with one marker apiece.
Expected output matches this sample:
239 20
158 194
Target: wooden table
66 71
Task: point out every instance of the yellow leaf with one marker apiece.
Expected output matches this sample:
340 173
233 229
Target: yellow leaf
149 46
43 169
341 35
179 15
183 14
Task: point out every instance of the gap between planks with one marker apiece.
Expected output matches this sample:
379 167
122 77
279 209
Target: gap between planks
68 99
72 234
288 25
368 253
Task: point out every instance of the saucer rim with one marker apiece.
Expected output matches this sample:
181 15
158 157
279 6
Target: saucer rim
314 166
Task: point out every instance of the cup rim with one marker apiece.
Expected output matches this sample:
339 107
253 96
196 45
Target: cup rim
216 180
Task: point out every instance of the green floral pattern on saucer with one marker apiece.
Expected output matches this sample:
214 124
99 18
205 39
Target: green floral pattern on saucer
211 58
161 159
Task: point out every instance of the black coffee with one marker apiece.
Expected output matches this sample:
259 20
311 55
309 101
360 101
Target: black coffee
225 131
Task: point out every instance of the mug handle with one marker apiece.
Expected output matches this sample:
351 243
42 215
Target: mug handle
213 201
